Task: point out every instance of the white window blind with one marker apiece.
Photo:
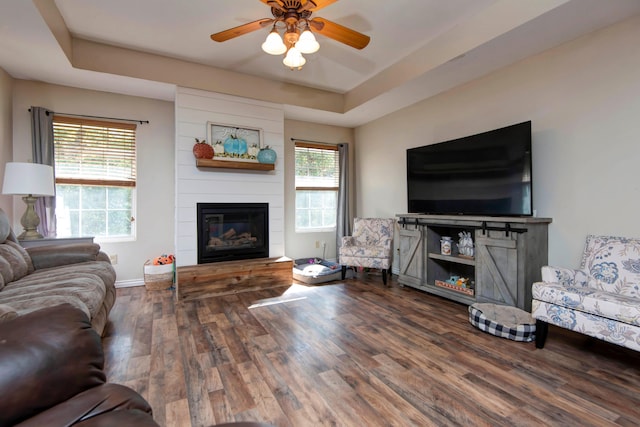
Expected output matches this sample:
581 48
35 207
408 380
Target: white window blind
91 152
317 167
317 180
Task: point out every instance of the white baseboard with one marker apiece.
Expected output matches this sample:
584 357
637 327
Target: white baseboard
129 283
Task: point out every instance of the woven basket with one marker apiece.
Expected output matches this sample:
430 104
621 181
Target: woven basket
158 277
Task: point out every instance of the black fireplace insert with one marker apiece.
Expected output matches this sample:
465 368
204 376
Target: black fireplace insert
232 231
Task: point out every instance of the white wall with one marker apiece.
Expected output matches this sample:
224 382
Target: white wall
194 108
155 209
301 245
583 99
6 126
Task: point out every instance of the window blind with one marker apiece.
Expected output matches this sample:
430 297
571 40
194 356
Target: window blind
317 167
92 152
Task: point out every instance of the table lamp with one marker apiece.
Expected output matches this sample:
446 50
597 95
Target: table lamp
31 180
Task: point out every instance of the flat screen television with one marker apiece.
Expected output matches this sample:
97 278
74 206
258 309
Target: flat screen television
487 174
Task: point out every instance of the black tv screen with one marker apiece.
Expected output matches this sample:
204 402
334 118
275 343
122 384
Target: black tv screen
484 174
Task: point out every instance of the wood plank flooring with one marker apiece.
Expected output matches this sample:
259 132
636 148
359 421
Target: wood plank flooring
356 353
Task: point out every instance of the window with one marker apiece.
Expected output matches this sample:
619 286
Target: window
317 180
95 166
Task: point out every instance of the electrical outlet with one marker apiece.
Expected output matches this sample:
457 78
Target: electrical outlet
324 245
113 258
317 244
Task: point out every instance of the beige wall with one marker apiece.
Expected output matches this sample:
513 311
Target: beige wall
6 126
299 245
155 144
583 99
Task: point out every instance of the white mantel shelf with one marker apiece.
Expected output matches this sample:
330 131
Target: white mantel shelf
223 164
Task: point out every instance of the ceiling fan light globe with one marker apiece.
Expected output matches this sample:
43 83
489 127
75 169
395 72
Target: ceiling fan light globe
294 59
307 42
274 45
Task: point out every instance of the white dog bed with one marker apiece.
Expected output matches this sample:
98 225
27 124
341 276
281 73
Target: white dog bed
315 270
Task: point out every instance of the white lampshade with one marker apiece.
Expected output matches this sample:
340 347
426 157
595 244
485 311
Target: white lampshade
307 42
274 45
294 59
28 178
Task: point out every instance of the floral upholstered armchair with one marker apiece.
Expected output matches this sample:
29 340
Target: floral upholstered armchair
370 245
601 299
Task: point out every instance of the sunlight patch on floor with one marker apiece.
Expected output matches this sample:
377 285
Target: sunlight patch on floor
293 293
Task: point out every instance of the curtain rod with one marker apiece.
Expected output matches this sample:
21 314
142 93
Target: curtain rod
317 142
98 117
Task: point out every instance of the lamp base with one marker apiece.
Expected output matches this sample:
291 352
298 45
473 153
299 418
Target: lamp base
30 220
30 235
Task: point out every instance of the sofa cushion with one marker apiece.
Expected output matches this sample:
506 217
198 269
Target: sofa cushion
18 260
613 264
364 251
83 284
611 305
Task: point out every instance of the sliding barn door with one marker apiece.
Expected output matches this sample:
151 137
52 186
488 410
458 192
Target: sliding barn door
497 275
411 256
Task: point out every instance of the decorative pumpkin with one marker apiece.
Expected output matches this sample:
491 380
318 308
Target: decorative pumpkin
202 150
164 259
235 145
267 155
253 150
218 148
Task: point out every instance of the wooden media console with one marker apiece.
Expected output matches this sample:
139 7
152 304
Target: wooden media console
230 277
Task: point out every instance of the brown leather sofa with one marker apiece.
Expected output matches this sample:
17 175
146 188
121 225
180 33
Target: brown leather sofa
51 374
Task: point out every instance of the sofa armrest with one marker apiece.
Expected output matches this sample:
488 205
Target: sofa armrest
57 255
46 357
564 276
105 405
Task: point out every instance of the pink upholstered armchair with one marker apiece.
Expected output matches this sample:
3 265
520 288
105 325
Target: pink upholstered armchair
370 245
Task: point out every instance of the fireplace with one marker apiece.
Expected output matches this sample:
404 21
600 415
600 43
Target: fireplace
232 231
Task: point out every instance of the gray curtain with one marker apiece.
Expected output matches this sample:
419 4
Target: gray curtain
42 149
343 219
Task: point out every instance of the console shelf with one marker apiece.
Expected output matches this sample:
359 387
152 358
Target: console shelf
509 253
458 259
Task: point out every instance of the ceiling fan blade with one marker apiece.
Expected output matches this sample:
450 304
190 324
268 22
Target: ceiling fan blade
241 30
339 33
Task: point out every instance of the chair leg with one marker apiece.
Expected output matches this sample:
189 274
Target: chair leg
344 271
384 276
542 328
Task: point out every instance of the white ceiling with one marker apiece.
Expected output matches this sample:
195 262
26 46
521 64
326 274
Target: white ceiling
418 47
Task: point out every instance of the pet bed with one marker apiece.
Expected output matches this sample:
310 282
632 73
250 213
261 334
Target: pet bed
316 270
503 321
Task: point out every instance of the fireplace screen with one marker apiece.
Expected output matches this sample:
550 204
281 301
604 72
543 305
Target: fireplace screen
232 231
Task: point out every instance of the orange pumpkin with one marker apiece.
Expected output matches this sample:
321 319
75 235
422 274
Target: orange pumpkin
202 150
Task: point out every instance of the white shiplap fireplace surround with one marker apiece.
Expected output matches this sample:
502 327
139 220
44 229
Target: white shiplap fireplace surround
194 108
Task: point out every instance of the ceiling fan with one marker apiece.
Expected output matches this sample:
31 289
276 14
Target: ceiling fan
294 16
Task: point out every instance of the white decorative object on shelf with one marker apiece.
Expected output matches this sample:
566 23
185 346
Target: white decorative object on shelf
465 244
445 245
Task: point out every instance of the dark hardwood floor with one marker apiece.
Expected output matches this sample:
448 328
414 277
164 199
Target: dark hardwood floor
355 353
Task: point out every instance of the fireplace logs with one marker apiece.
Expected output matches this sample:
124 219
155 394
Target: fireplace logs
230 238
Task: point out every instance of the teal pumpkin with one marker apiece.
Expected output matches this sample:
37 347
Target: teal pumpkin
234 145
267 155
